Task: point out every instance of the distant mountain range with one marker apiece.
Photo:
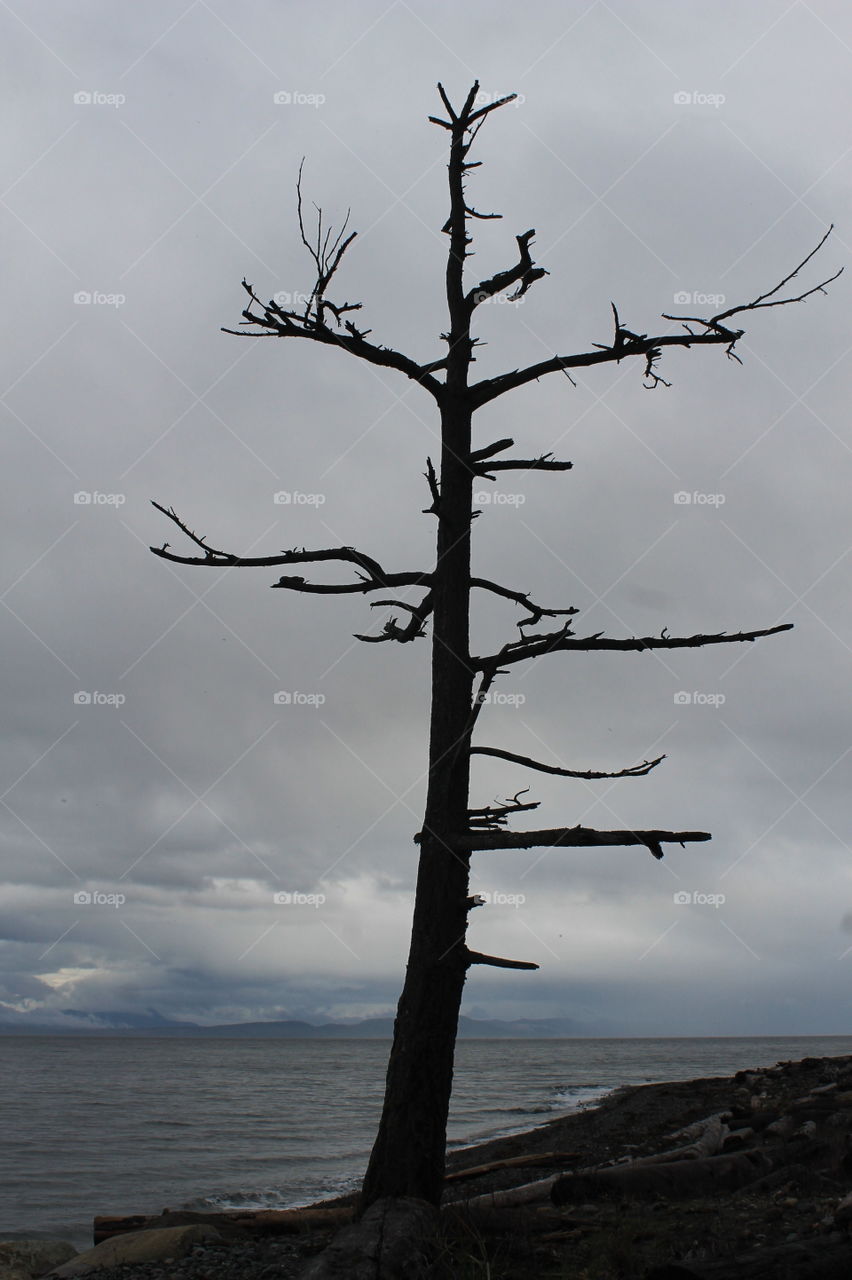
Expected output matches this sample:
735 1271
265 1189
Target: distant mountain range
151 1023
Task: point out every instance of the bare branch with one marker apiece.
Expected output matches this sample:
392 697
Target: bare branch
291 324
497 815
414 629
486 680
633 771
575 837
497 962
211 556
462 120
563 640
492 106
536 611
373 578
481 467
523 274
545 463
434 489
760 301
483 217
499 445
490 388
654 379
625 343
450 112
327 258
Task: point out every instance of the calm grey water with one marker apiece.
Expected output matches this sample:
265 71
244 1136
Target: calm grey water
91 1126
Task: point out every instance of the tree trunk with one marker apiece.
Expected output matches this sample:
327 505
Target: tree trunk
410 1148
408 1155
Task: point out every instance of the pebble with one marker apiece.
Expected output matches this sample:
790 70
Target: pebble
283 1259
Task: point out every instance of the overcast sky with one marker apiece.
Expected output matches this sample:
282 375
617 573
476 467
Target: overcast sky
662 151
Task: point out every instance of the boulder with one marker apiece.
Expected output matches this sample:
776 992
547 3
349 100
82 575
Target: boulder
137 1247
25 1259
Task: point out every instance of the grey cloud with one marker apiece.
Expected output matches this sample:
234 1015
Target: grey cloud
170 197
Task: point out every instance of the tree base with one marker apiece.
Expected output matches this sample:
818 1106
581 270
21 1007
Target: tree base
395 1240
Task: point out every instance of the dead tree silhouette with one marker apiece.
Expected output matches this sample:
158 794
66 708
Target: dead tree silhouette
408 1155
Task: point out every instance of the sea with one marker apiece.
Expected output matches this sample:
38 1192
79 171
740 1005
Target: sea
103 1125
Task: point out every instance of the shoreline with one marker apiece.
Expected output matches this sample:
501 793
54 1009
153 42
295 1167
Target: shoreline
793 1120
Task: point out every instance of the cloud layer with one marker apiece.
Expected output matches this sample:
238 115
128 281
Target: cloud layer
665 154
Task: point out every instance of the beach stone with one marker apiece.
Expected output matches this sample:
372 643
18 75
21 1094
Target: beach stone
137 1247
843 1212
806 1130
24 1259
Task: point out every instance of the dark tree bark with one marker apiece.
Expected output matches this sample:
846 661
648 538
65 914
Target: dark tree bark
409 1149
408 1156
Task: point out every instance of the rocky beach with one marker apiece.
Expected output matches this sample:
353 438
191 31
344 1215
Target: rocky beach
745 1176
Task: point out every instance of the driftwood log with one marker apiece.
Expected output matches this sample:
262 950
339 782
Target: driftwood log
286 1221
674 1179
707 1138
269 1222
513 1162
529 1193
